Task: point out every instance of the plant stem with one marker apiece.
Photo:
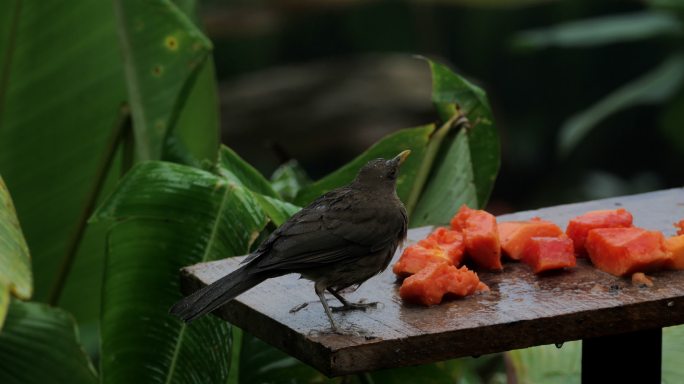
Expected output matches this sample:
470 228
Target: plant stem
236 351
127 148
457 119
122 125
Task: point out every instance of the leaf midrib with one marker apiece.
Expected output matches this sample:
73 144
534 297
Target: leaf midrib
214 230
132 83
433 146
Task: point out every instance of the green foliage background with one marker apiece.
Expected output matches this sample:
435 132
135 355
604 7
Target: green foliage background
133 104
113 104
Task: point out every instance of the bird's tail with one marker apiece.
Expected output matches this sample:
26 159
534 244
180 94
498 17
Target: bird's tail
215 294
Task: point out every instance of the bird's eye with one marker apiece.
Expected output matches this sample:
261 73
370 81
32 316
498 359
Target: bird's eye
392 174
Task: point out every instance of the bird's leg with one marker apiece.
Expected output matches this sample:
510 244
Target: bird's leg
319 291
346 305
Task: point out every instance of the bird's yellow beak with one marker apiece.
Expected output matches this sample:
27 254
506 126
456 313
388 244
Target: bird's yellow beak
400 158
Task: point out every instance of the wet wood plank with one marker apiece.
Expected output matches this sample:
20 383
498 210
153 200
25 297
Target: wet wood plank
522 309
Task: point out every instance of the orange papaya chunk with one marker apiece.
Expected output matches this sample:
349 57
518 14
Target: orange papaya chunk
481 236
481 287
675 250
547 253
442 245
418 256
451 241
514 235
458 222
579 227
429 286
623 251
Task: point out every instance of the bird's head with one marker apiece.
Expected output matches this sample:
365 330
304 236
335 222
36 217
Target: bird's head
380 172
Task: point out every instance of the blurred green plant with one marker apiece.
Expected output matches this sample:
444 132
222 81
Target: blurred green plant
663 85
660 86
561 364
547 363
91 92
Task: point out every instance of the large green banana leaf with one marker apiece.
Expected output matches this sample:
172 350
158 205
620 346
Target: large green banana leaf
141 342
195 136
60 107
468 159
236 170
63 96
15 261
170 216
163 50
39 344
60 114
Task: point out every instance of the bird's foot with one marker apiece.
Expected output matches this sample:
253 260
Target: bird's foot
354 306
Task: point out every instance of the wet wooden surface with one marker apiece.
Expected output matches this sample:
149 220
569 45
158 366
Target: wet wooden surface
522 309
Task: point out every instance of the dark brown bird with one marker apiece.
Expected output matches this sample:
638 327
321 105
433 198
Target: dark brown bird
341 239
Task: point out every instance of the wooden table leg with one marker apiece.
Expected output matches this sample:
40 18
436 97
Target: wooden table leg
626 358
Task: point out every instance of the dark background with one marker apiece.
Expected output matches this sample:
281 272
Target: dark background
320 81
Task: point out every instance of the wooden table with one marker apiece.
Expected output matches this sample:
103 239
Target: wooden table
522 310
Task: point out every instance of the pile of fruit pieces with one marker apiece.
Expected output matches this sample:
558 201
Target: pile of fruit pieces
430 267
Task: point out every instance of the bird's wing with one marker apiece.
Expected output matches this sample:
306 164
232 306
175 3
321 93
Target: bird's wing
327 231
374 228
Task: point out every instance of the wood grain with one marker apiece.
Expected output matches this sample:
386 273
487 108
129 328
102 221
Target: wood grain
522 309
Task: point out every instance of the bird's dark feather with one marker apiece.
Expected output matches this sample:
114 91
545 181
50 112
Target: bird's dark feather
333 229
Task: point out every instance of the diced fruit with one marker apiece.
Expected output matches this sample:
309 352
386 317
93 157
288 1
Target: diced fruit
441 246
429 286
418 256
680 227
514 235
458 222
547 253
623 251
451 241
579 227
480 235
675 249
640 278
